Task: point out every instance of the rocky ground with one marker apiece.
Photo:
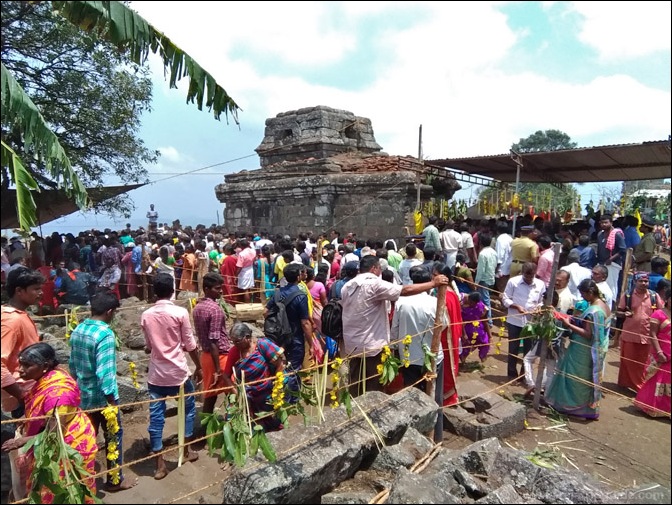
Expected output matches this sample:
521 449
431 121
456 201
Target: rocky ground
623 450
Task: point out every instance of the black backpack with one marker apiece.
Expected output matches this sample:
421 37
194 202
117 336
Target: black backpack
332 318
276 324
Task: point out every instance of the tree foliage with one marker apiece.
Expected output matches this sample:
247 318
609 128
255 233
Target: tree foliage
549 140
541 196
90 95
73 91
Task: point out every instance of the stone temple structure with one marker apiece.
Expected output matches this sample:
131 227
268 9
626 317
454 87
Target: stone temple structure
322 169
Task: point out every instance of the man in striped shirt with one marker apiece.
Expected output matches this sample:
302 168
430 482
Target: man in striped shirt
93 365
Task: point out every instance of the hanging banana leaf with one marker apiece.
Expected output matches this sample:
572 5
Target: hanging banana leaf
25 205
129 31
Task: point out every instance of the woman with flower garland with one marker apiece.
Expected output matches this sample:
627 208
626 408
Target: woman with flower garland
257 359
54 391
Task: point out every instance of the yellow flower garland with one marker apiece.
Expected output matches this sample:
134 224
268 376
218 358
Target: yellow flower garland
110 414
278 393
335 382
134 375
407 351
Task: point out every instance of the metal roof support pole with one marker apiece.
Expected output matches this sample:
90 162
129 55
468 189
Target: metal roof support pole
519 162
417 203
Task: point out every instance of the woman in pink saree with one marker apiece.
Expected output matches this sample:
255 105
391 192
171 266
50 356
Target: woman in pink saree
654 395
54 390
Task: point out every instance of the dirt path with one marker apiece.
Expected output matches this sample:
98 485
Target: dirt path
624 448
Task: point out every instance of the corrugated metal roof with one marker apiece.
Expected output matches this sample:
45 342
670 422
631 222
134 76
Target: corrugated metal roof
621 162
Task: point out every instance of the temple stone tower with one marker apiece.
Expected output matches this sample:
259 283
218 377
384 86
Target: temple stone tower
322 169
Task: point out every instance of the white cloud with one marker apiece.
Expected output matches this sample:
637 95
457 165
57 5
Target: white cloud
448 70
170 154
625 29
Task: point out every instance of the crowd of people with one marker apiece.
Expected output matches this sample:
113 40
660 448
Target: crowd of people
387 292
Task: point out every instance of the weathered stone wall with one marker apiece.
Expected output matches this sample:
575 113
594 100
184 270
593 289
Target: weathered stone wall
319 203
322 169
318 132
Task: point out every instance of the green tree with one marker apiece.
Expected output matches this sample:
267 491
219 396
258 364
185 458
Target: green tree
91 95
542 196
549 140
52 137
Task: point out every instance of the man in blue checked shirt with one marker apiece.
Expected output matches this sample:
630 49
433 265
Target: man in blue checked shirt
93 364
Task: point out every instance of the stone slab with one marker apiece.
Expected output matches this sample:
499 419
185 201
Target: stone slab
484 415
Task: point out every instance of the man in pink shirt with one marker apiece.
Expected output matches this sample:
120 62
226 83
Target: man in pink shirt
244 269
168 334
545 264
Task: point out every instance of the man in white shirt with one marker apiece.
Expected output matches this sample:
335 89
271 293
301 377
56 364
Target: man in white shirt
366 327
451 241
523 294
468 245
503 250
349 255
485 271
599 274
577 273
415 315
408 262
565 297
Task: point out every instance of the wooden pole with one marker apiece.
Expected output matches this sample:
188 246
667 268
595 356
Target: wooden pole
627 264
417 203
436 341
202 270
544 343
143 273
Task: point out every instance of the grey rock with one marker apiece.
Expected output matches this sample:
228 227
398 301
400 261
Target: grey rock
136 341
484 414
473 487
336 497
410 487
561 486
331 452
501 495
123 369
392 458
511 467
478 457
129 394
412 446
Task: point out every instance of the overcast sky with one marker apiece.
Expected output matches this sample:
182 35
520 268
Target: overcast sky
477 75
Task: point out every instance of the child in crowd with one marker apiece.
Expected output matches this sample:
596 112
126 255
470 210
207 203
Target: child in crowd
476 328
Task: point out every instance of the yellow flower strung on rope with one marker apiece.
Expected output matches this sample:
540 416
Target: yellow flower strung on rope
386 354
134 374
335 382
476 324
73 321
389 366
278 393
407 351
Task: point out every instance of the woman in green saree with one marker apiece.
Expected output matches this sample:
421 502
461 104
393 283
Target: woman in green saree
575 388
